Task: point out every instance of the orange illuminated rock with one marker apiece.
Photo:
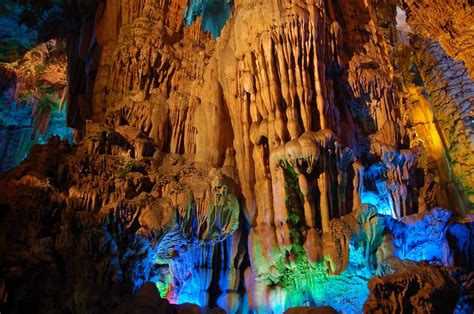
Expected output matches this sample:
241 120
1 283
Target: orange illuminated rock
270 167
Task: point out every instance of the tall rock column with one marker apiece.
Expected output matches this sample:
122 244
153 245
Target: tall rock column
280 92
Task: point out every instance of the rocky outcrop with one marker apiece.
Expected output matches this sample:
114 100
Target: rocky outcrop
120 200
32 97
311 310
414 289
450 90
452 26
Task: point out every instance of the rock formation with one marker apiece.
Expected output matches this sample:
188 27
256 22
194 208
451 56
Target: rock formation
250 156
422 290
33 93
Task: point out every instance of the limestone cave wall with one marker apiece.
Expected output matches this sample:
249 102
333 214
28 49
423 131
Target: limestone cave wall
251 156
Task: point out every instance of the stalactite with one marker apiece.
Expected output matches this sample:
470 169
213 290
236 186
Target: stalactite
283 160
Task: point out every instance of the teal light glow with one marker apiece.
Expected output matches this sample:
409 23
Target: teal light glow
379 198
214 14
17 134
57 127
311 285
303 283
381 203
423 237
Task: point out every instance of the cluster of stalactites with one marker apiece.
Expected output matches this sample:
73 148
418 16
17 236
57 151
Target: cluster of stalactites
140 70
313 157
170 12
207 220
323 170
282 81
276 86
400 166
282 105
214 14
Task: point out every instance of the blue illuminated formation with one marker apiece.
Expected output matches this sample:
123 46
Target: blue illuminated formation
304 155
186 276
379 200
15 38
214 14
57 127
17 134
423 237
30 110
